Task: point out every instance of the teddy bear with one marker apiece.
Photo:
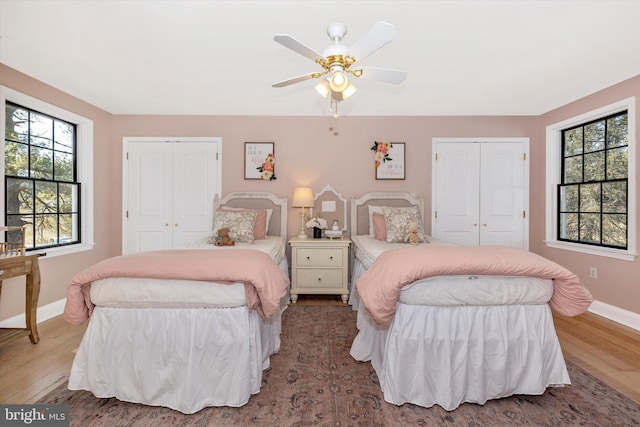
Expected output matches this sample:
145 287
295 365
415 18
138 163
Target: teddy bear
413 237
223 238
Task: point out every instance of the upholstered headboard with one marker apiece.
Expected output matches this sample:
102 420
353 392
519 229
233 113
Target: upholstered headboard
258 200
360 210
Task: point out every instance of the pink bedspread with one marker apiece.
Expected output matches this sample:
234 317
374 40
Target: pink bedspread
265 283
379 286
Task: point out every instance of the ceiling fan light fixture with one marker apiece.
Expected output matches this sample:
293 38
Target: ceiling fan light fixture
338 81
323 88
350 90
341 96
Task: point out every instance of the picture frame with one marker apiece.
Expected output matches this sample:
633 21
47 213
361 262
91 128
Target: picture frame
393 164
255 154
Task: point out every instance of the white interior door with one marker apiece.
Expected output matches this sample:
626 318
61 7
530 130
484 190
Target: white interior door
168 192
458 193
194 183
480 193
150 197
502 213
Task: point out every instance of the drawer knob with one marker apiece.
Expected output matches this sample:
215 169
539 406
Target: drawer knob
308 257
319 279
331 257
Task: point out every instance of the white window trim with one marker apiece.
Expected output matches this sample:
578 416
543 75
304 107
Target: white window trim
84 165
554 171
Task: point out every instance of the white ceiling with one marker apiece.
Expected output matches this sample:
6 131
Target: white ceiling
219 57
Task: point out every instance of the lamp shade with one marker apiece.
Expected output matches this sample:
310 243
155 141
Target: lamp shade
302 198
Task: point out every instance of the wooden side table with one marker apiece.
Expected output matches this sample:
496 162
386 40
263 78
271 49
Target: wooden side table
23 265
319 266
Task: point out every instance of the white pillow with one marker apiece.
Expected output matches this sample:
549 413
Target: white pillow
398 222
240 225
372 209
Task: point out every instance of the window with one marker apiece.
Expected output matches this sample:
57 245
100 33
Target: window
591 199
41 190
592 204
47 174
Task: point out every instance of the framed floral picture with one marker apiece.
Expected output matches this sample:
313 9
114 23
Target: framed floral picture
389 160
259 161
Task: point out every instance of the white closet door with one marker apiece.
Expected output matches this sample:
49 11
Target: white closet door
502 195
195 171
170 187
457 191
150 197
479 193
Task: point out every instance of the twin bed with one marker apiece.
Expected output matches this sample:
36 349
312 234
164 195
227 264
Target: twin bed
186 328
440 324
444 324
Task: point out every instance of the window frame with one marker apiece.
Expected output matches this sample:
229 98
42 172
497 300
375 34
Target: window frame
84 163
554 179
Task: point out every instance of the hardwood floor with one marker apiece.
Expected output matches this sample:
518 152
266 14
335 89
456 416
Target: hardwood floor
607 350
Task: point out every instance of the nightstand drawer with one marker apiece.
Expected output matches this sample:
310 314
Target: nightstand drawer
319 278
319 257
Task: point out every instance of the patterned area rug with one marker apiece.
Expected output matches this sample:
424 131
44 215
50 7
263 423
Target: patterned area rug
314 381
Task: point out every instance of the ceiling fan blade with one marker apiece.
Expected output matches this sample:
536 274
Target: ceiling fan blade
377 36
289 42
296 80
381 74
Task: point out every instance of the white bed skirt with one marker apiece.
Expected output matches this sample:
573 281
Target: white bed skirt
185 359
450 355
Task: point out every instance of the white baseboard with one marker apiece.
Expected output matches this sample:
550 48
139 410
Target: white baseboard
43 313
616 314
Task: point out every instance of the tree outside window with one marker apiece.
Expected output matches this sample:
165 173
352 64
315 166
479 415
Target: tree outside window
42 191
593 194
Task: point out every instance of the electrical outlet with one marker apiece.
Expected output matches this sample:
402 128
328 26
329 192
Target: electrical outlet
593 273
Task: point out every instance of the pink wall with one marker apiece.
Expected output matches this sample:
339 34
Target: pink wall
57 271
308 153
618 282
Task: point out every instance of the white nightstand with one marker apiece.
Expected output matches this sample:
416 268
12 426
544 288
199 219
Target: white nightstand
319 266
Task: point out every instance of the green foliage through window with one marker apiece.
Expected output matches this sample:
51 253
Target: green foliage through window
42 191
593 195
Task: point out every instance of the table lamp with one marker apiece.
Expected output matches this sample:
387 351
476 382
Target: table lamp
302 198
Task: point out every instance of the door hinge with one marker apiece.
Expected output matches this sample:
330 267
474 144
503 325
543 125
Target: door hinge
524 214
435 214
524 156
436 156
127 155
127 214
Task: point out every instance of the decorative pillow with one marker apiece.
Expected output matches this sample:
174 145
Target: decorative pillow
240 224
398 222
372 210
379 226
260 227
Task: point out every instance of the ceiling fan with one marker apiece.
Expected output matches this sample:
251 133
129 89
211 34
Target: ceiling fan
339 61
